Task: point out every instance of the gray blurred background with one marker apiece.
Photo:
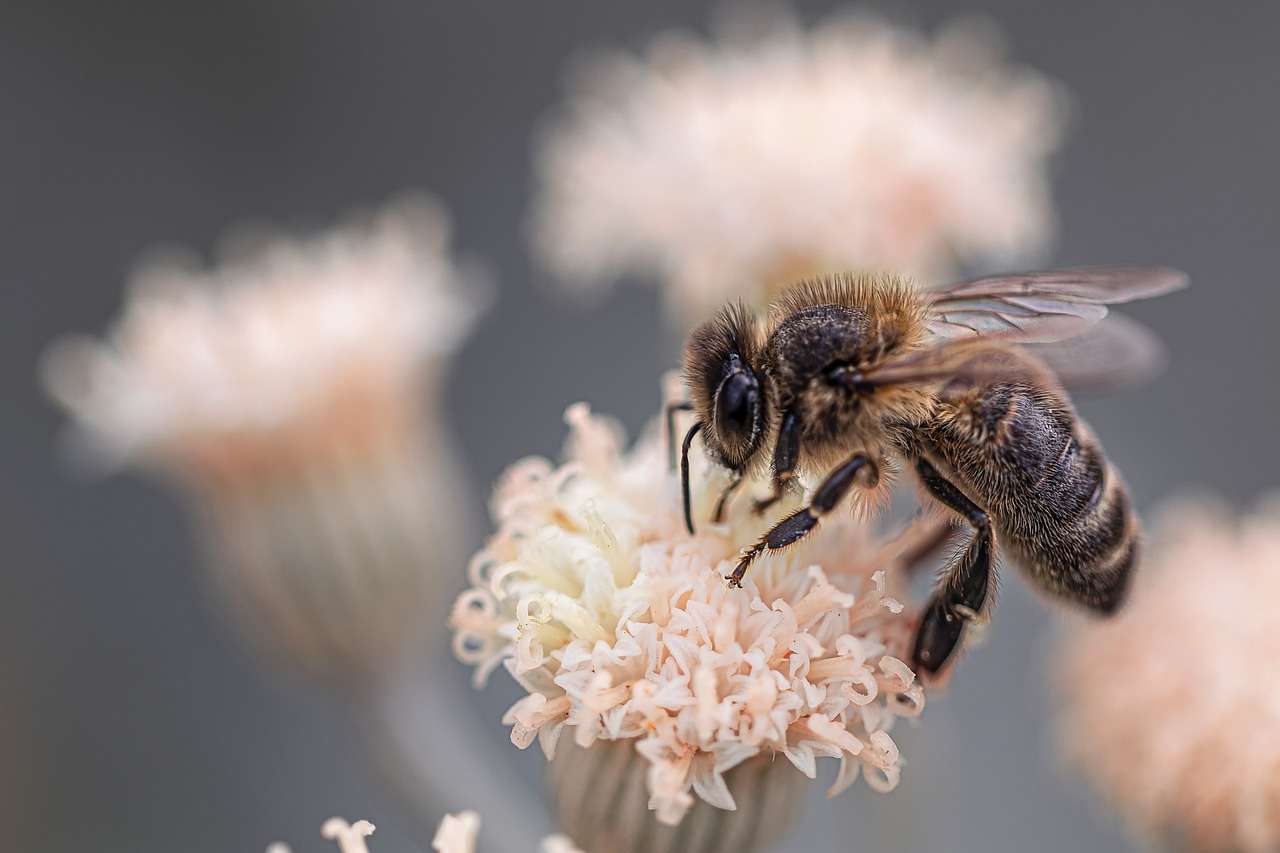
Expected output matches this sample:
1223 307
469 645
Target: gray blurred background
130 717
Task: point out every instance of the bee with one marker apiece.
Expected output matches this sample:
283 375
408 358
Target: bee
965 386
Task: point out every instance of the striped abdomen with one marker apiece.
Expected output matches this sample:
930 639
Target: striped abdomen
1056 502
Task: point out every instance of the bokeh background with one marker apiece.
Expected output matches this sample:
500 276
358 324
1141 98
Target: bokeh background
131 718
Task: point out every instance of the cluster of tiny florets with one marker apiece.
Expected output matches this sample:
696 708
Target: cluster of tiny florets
726 167
1169 707
620 626
281 337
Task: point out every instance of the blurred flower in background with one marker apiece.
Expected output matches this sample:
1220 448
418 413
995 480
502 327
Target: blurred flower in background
456 834
1169 707
681 695
292 391
732 167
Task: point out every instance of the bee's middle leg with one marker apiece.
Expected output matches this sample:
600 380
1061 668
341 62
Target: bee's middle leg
796 526
786 455
963 592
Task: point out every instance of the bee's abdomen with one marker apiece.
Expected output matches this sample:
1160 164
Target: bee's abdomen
1058 504
1078 535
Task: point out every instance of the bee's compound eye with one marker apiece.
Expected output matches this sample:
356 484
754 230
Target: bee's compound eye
737 405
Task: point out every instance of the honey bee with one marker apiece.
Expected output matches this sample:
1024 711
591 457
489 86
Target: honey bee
851 374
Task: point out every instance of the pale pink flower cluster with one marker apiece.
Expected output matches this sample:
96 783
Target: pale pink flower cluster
282 333
621 626
1173 706
292 391
724 167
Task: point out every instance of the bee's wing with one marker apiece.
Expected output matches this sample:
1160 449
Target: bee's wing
1039 307
1109 355
1116 353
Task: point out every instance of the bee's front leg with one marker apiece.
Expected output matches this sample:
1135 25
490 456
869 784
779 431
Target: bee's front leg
796 526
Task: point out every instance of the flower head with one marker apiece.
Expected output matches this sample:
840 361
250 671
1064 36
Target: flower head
1171 707
621 626
730 167
287 390
272 351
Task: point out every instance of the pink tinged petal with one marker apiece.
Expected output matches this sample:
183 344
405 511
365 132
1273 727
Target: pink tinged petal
883 780
803 758
892 604
885 751
485 652
349 836
586 730
849 770
668 789
673 695
709 784
531 713
538 680
457 833
726 627
762 692
864 689
908 703
614 721
813 694
684 652
899 674
833 733
804 648
475 610
704 693
821 599
844 668
601 695
548 737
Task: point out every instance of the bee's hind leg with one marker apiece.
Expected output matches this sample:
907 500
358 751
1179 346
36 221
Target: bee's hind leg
796 526
963 592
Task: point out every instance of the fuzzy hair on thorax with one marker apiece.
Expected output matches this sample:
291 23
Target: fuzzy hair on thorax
850 320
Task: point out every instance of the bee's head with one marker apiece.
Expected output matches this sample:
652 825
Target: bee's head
724 381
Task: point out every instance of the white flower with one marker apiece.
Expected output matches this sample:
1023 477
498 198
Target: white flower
289 392
621 626
730 167
262 350
1172 707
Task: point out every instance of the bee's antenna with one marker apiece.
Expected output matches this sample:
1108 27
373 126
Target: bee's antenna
684 475
672 408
